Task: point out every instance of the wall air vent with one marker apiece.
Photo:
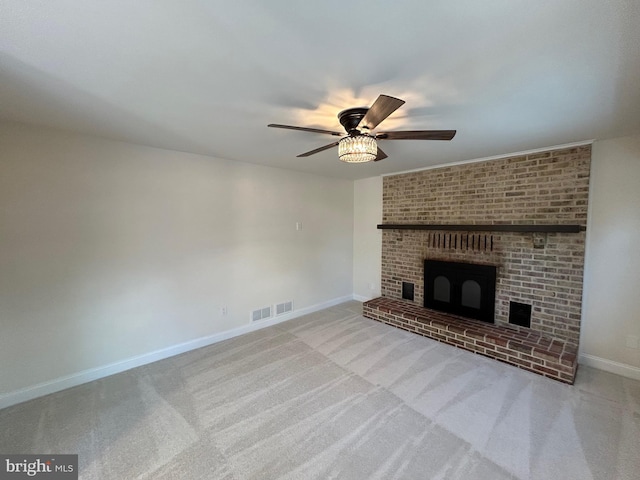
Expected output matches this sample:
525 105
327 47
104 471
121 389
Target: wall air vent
285 307
260 314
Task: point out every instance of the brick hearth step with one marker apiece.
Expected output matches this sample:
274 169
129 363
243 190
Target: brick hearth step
552 357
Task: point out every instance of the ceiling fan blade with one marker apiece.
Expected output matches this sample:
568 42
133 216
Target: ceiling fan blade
318 150
381 155
417 135
381 109
306 129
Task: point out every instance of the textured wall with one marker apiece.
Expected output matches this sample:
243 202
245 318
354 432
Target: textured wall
543 188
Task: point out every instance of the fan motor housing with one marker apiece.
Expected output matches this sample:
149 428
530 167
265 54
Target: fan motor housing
350 118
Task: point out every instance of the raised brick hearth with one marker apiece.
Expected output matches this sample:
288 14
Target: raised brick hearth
552 357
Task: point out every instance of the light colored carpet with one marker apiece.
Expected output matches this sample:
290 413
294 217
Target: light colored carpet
333 395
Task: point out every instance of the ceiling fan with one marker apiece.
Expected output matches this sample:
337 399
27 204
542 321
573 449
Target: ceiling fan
360 143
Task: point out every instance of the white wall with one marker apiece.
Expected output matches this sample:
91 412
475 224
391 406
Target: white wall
367 239
109 251
612 268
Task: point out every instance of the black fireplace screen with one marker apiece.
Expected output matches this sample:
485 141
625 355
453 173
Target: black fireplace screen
460 288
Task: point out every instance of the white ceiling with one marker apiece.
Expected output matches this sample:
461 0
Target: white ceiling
208 76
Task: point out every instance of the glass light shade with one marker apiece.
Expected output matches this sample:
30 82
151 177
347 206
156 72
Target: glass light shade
358 149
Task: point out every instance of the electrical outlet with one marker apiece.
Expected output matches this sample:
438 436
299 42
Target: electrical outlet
631 341
223 310
298 226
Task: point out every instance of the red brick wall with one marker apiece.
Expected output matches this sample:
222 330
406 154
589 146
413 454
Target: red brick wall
543 188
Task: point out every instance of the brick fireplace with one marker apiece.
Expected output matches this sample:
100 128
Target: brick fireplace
541 272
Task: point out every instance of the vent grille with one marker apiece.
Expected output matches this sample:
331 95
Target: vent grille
260 314
285 307
460 241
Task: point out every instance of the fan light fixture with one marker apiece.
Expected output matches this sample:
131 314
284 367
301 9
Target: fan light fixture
360 145
358 148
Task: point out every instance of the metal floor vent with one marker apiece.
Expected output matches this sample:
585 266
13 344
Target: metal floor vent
260 314
285 307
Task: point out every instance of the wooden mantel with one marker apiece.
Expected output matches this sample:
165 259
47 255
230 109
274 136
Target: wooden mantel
486 228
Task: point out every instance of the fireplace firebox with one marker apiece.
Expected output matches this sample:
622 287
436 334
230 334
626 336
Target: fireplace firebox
464 289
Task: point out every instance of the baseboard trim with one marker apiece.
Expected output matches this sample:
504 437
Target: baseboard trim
621 369
84 376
